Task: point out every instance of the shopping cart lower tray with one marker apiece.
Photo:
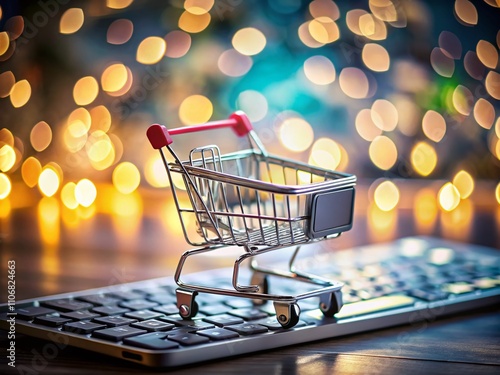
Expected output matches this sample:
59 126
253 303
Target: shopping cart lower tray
258 202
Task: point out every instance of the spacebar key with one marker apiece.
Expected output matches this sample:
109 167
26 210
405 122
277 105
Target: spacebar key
374 305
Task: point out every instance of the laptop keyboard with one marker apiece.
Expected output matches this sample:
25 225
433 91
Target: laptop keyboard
397 283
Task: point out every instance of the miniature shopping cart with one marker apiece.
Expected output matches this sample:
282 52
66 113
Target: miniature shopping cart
260 203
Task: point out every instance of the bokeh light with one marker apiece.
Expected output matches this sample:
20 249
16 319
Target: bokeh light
484 113
120 31
20 93
376 57
41 136
253 103
126 177
5 186
384 115
85 192
249 41
155 172
178 43
449 197
354 83
7 81
31 170
365 126
423 158
296 134
386 195
7 157
71 21
434 125
195 109
323 30
194 23
319 70
234 64
466 12
118 4
68 196
464 183
326 153
85 90
48 181
4 42
383 152
151 50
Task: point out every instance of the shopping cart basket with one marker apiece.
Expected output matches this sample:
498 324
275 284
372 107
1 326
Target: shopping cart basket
259 202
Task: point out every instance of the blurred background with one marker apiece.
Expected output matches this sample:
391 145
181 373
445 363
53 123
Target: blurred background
402 93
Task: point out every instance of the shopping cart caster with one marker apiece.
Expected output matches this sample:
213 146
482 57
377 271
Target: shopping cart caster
287 314
188 307
330 303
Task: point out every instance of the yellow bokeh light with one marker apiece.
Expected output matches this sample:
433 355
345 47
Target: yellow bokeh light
484 113
20 93
324 30
114 77
372 27
384 115
126 177
464 183
4 42
325 153
376 57
383 152
155 172
352 20
462 99
354 83
194 23
41 136
6 137
7 157
195 109
68 196
386 195
306 37
198 6
100 118
30 171
365 126
296 134
487 54
100 150
434 125
5 186
151 50
48 181
118 4
384 10
319 70
466 12
492 84
249 41
425 209
7 81
448 197
71 21
497 193
85 192
423 158
85 90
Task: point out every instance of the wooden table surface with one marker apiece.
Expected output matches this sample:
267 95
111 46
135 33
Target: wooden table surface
103 248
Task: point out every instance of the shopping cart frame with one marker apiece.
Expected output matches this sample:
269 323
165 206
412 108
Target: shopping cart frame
337 189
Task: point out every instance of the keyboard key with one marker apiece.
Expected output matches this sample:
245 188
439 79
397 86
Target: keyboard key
248 314
223 320
110 310
191 323
79 315
163 298
239 303
248 329
51 320
153 325
126 294
218 334
214 309
67 305
144 314
188 339
114 320
117 333
138 304
29 312
429 296
169 309
99 299
82 327
154 341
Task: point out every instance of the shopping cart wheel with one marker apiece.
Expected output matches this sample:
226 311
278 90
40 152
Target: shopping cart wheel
188 307
261 280
330 304
287 314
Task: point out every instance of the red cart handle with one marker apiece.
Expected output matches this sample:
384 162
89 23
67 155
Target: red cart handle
159 136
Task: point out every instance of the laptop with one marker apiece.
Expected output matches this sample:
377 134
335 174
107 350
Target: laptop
402 282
